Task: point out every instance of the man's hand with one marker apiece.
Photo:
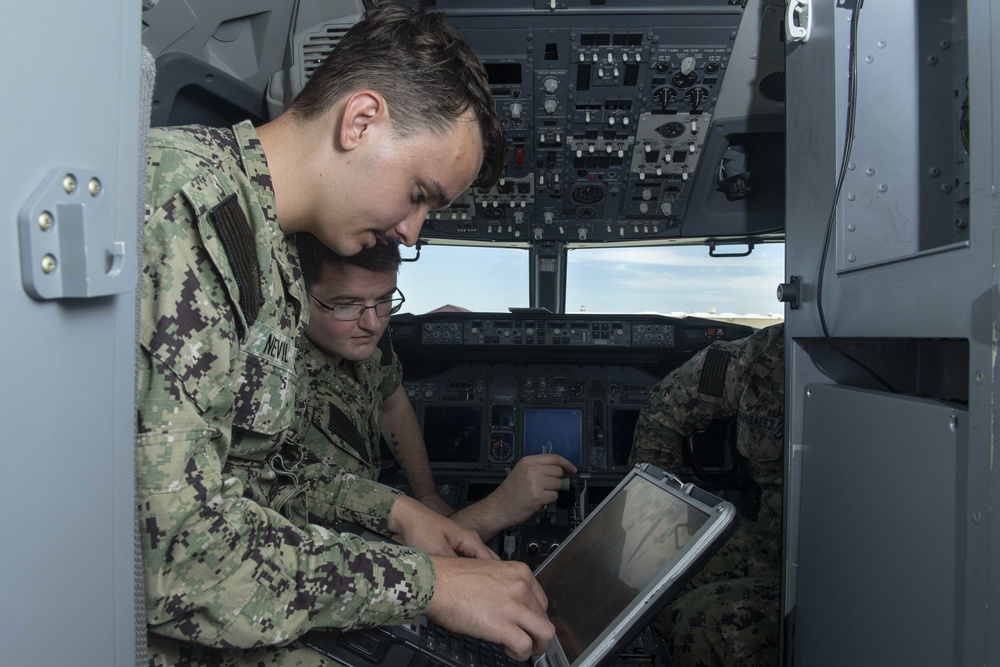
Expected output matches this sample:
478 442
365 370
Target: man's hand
422 528
497 601
534 482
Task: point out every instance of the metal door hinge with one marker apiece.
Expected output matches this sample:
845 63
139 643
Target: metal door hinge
67 237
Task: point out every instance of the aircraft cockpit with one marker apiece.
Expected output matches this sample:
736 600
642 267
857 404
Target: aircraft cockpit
628 125
661 193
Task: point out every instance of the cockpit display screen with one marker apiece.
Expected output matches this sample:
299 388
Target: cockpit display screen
503 74
453 433
554 431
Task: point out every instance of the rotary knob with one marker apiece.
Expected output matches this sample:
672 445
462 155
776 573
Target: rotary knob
550 106
550 85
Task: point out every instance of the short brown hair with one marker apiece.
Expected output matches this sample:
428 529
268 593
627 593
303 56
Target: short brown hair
382 257
423 66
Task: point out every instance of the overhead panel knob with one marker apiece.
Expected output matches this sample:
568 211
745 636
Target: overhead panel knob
551 85
550 106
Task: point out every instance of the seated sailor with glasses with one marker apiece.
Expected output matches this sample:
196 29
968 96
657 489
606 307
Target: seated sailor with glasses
350 384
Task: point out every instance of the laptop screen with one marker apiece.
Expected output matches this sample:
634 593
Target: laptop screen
613 557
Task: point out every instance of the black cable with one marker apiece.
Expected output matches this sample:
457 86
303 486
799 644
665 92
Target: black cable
963 122
417 256
852 95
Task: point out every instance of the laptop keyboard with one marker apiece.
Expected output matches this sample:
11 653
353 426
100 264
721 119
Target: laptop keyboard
417 644
464 650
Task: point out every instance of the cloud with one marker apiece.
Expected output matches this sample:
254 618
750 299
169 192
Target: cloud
612 280
675 279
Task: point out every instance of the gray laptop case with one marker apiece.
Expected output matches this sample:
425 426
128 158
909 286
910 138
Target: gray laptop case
604 583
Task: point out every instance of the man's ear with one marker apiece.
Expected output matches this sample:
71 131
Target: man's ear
363 109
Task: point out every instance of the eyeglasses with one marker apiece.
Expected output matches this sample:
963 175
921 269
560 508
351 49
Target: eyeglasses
347 312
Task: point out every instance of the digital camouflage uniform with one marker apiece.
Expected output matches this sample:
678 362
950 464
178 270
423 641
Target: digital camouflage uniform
343 414
729 612
217 461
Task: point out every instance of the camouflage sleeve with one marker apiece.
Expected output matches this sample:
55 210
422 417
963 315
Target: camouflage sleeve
334 495
653 443
392 375
223 571
701 390
220 569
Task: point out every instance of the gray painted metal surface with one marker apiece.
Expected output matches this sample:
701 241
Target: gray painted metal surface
879 571
910 289
71 99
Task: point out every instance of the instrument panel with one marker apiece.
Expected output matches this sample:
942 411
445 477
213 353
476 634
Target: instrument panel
610 114
627 121
526 331
491 388
488 416
530 329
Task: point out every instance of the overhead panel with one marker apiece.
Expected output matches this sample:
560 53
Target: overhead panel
608 112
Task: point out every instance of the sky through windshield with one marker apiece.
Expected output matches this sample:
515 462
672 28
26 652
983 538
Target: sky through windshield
666 280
